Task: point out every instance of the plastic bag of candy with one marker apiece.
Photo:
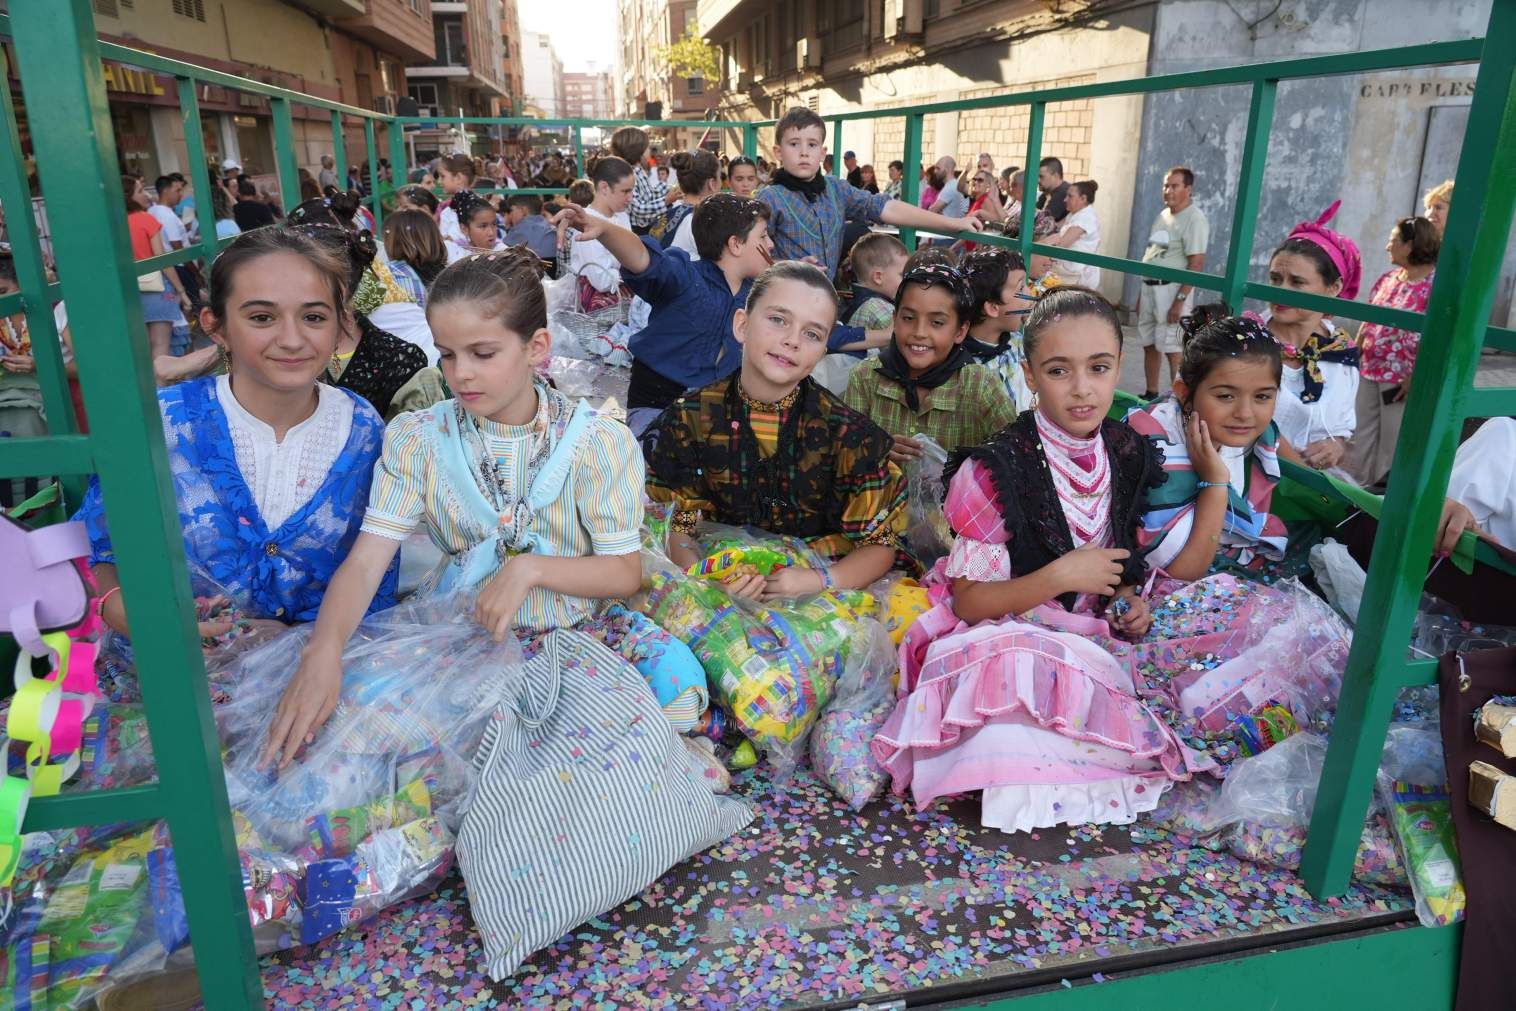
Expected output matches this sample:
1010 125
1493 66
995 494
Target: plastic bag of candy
773 668
901 601
928 536
840 752
1412 788
363 818
1264 809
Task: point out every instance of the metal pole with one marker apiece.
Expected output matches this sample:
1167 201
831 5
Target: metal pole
1468 269
838 169
200 175
373 172
339 149
31 271
60 71
1255 153
1029 187
284 154
910 182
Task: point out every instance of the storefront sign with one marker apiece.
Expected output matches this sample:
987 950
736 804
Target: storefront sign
130 80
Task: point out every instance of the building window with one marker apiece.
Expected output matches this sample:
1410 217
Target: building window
107 8
425 94
932 8
452 49
694 86
846 23
190 9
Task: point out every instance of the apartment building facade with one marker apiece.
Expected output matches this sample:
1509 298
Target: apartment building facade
352 51
649 87
589 95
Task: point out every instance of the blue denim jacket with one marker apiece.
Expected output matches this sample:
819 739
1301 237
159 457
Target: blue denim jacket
688 337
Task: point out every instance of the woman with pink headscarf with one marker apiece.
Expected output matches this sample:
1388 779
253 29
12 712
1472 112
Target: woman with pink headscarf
1315 412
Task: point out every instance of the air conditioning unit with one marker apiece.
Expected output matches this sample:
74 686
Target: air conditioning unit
807 53
903 19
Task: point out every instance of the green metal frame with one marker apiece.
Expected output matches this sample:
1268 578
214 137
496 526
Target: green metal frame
60 70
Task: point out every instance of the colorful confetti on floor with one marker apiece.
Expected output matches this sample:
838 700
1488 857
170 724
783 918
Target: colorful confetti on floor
814 903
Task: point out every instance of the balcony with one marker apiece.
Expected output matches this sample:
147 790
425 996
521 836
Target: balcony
451 59
332 8
711 13
395 27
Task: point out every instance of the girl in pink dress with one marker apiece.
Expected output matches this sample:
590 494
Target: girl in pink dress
1043 720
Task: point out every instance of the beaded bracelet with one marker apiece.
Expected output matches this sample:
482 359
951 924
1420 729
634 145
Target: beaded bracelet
1202 485
825 572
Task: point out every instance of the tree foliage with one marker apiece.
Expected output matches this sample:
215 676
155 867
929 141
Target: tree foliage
692 56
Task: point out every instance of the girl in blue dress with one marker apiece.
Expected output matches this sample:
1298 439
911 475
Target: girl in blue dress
271 468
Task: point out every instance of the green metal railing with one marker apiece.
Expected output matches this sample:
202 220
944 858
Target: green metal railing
60 70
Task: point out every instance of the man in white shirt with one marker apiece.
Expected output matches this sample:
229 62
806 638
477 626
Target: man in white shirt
170 190
1178 239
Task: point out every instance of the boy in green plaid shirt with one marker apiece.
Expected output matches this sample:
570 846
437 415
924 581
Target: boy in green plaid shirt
925 382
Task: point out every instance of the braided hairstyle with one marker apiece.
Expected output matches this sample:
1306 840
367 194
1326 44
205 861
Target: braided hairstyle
323 220
506 284
467 203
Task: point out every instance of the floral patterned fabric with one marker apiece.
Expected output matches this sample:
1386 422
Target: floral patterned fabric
1387 354
828 480
282 573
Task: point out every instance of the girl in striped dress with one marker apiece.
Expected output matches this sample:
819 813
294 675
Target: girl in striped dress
535 500
1221 456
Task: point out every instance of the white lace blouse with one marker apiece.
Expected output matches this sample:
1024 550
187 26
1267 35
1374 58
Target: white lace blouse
284 475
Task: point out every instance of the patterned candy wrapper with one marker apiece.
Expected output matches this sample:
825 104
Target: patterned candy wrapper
1423 823
773 668
338 833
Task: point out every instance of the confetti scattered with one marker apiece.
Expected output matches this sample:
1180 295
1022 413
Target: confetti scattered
817 903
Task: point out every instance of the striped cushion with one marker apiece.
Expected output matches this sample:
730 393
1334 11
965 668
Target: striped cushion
585 798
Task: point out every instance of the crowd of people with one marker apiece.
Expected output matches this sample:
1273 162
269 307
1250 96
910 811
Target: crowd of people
346 388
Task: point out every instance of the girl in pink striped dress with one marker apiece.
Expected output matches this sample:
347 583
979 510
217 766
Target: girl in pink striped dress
1045 722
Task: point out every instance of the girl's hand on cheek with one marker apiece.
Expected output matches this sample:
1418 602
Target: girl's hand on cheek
1204 456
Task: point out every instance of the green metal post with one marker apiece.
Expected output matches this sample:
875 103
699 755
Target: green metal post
1029 188
339 148
578 150
910 182
372 152
838 169
61 72
399 160
1473 247
1255 153
31 272
199 169
750 140
284 154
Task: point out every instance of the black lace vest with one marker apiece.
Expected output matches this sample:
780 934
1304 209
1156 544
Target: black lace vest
1023 482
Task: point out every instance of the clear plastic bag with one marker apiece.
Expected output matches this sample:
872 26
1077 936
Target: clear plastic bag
1264 809
773 668
1340 577
928 536
1291 650
840 752
1412 788
364 818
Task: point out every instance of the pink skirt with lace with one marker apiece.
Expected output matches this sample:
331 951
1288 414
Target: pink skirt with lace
1047 718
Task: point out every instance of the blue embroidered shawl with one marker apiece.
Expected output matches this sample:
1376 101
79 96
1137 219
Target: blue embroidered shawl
280 574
